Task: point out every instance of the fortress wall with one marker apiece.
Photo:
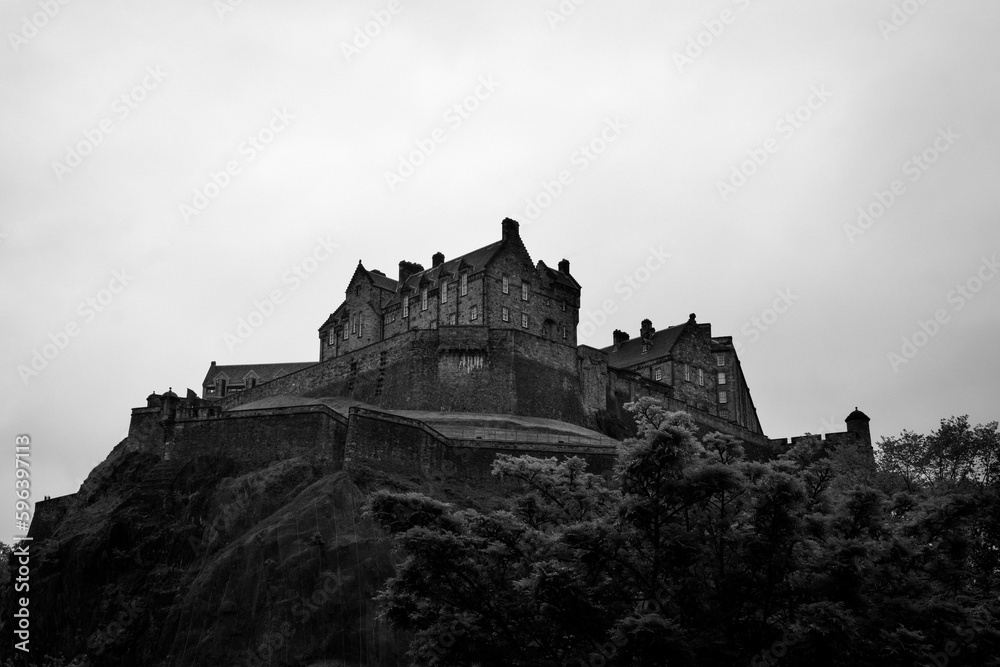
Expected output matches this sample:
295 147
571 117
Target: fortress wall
263 436
407 447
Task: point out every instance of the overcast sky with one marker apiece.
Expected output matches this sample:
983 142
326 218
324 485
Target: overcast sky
169 167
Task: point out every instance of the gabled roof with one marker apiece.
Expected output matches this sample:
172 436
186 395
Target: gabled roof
377 278
630 352
335 315
472 262
265 372
558 276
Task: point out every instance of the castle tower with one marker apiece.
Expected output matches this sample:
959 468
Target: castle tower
857 423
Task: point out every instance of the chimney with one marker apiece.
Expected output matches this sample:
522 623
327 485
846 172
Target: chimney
620 338
407 269
437 260
646 331
564 266
213 363
510 229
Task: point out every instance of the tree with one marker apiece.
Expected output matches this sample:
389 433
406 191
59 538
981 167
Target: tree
692 555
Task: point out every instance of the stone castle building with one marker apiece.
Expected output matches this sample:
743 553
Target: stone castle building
454 363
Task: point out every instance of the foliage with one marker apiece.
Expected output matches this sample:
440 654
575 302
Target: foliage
692 555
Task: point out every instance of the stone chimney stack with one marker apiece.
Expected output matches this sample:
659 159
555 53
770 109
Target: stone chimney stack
510 229
646 331
564 266
620 337
437 260
407 269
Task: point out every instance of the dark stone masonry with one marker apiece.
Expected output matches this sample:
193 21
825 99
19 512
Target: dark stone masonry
440 369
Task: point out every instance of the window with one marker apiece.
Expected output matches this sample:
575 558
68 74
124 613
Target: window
724 412
361 326
720 360
393 318
464 284
354 324
423 299
331 336
444 292
524 291
524 320
657 375
645 348
475 312
251 382
687 373
723 398
564 332
357 290
346 332
563 304
406 306
701 377
385 320
505 314
451 319
506 285
722 377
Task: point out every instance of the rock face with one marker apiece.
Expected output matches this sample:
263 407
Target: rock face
210 562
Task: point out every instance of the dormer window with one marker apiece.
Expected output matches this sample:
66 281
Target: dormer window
406 306
463 283
720 360
354 324
423 299
645 348
444 292
506 285
331 336
346 333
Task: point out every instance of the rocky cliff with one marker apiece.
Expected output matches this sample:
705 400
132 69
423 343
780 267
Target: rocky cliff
212 562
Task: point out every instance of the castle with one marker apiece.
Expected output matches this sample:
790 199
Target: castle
442 368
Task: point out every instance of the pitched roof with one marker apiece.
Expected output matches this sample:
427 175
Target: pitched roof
472 262
630 352
264 372
558 276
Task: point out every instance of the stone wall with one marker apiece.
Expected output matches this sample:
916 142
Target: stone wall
263 436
